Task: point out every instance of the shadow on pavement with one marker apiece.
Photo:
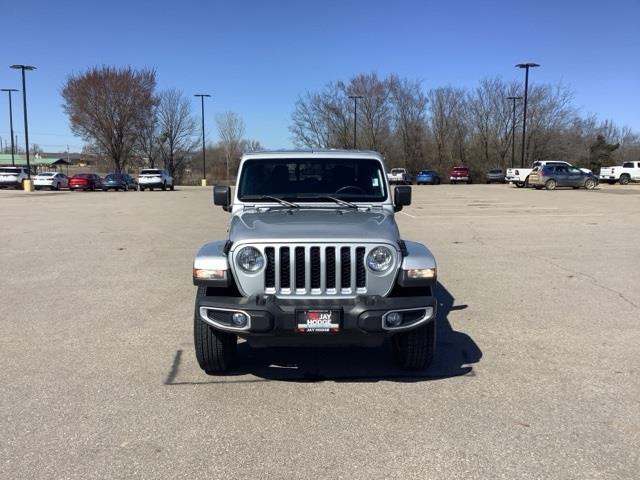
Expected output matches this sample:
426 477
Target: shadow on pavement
456 353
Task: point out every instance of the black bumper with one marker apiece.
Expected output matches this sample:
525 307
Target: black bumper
274 321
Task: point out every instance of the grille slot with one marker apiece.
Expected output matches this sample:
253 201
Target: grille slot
270 271
334 270
330 266
361 273
315 267
300 273
285 268
345 267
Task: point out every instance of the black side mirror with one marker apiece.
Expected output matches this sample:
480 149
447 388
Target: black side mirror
401 197
222 196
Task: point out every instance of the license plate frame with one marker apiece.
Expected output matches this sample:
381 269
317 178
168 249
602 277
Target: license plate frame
318 320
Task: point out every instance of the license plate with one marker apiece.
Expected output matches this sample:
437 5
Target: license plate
318 321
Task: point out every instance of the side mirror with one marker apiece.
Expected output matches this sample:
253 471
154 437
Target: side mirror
401 197
222 196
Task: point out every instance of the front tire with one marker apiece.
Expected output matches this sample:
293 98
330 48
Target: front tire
171 187
215 350
590 184
624 179
414 350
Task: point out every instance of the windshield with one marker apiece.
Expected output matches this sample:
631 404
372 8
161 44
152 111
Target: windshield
425 172
113 176
150 172
355 180
397 170
13 171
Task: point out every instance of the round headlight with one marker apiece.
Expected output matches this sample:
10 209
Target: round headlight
380 259
249 259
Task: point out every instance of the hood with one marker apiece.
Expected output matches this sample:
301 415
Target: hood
314 225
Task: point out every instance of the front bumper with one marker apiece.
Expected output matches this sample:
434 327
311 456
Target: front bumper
273 321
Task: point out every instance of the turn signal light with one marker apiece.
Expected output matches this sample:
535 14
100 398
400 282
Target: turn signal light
422 273
202 274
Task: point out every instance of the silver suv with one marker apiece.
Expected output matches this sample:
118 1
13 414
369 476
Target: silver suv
314 258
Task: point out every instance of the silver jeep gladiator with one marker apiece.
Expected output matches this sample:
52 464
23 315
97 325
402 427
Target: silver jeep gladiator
314 258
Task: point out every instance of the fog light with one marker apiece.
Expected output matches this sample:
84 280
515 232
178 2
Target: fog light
393 319
239 319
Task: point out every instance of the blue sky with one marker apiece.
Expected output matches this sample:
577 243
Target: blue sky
257 57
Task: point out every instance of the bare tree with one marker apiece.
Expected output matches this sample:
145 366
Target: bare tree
230 131
449 125
148 144
107 106
409 106
176 129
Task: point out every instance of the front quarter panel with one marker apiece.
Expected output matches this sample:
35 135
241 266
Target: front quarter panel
211 256
418 257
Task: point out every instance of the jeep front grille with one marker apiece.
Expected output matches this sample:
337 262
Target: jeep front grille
315 270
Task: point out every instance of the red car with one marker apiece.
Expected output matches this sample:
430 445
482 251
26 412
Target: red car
85 181
460 175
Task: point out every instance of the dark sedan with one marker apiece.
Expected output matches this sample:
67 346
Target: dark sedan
119 181
427 177
552 176
496 175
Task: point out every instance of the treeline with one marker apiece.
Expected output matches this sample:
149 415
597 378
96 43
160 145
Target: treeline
127 123
445 126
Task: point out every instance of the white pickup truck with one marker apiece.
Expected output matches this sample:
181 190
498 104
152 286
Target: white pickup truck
520 176
400 176
628 172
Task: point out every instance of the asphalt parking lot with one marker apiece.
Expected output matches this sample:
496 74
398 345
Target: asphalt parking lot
536 375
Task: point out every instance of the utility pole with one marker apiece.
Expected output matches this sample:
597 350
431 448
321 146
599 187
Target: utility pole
204 161
513 130
355 118
13 150
526 67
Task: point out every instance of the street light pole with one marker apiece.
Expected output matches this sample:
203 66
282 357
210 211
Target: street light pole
13 151
204 161
355 118
28 185
513 130
526 67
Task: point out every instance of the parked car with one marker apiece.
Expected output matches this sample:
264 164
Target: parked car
628 172
520 176
50 180
119 181
552 176
399 176
496 175
427 177
460 175
85 181
154 178
292 274
13 177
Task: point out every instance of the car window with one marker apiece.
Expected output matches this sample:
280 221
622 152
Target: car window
574 170
627 165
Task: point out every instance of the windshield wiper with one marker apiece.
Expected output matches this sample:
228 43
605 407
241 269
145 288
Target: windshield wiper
339 201
275 199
